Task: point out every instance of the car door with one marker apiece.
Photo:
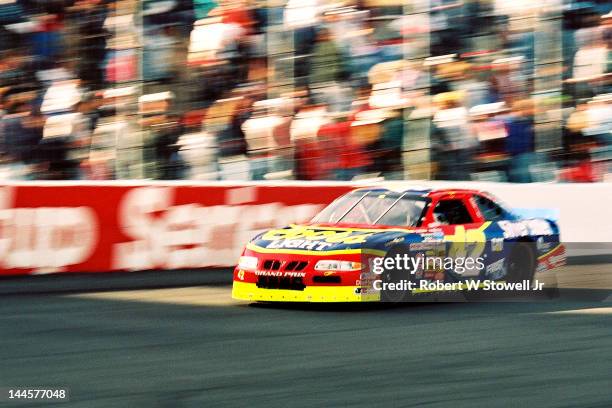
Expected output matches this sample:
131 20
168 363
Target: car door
497 248
463 229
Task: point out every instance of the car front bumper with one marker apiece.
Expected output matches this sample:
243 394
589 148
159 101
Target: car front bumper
316 294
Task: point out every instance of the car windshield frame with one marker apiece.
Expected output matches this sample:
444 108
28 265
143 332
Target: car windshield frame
393 197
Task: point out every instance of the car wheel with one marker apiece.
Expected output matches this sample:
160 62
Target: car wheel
396 276
521 263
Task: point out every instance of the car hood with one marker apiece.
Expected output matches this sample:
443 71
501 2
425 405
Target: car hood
315 239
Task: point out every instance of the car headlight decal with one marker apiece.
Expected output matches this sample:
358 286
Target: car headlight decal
336 265
248 263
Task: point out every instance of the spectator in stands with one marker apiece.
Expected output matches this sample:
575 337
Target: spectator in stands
453 143
326 62
88 17
590 64
520 141
476 91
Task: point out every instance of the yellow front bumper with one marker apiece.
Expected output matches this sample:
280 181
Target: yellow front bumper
250 292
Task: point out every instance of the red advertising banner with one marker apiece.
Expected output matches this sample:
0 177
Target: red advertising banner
65 227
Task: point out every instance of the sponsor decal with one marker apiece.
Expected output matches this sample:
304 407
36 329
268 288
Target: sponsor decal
45 239
365 283
329 273
281 274
496 269
395 241
542 245
513 229
299 244
517 229
497 244
435 236
557 260
423 246
328 236
174 236
539 227
552 260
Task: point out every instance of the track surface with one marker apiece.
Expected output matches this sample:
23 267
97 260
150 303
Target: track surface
193 347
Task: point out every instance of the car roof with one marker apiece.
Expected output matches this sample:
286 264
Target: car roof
446 191
423 192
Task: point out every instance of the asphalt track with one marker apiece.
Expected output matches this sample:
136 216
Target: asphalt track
193 347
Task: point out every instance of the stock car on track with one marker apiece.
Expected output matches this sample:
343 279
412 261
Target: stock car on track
333 257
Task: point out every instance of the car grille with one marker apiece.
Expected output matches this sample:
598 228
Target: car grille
280 282
291 266
271 265
295 266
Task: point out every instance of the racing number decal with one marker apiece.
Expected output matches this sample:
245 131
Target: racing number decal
470 243
467 244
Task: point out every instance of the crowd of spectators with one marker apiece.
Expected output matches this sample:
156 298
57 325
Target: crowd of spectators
500 90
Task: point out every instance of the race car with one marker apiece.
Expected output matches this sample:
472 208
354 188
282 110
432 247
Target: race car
376 244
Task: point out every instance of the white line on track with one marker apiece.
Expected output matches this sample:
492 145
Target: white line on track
192 296
579 277
591 311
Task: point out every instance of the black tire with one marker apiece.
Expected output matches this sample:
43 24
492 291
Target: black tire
396 276
521 262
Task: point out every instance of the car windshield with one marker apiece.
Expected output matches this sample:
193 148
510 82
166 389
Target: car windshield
374 208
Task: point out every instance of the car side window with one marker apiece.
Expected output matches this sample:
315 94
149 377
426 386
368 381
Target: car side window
489 210
451 212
